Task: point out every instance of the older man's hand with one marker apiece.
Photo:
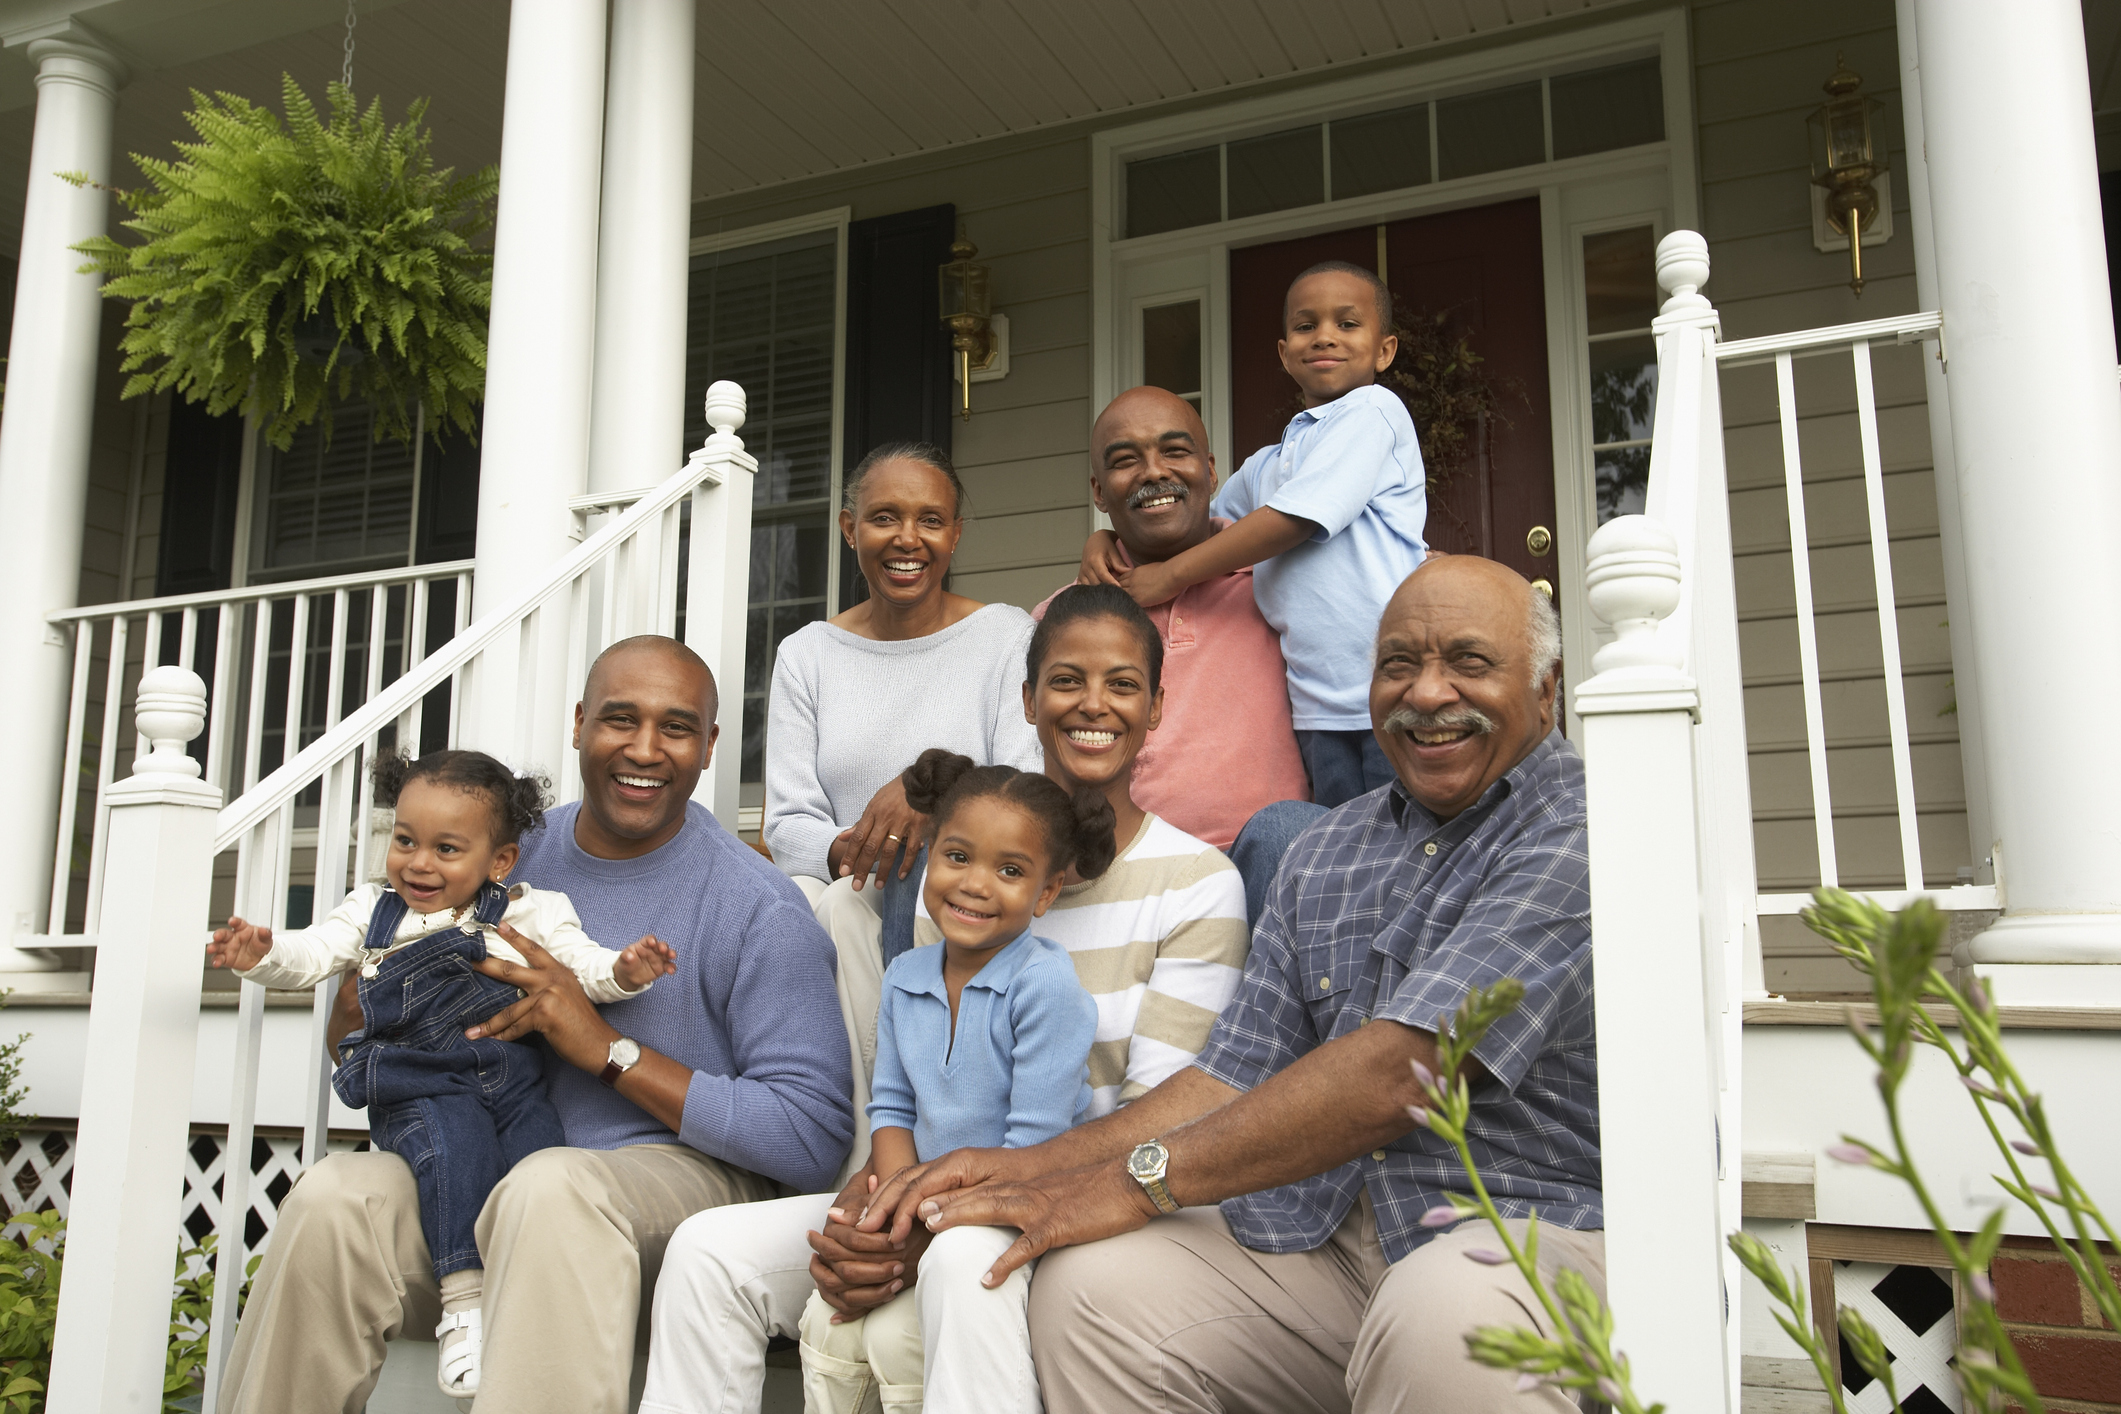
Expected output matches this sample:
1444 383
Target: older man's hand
1055 1210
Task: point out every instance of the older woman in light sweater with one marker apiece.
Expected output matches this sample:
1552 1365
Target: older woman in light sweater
855 699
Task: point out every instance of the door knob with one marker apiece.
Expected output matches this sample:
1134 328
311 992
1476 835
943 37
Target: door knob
1539 540
1543 587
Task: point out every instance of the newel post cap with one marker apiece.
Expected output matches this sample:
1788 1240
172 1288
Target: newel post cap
169 710
725 413
1682 269
1633 583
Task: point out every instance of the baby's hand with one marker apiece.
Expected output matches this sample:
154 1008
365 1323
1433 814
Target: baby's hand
1101 560
645 961
240 945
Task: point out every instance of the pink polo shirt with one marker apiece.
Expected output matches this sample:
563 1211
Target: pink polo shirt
1225 746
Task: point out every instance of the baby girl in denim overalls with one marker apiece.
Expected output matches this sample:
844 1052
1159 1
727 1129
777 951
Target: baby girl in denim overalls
460 1112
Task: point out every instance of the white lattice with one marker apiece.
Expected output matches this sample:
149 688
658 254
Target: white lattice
1919 1359
50 1177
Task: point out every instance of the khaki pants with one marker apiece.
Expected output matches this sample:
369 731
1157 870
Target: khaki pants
571 1239
869 1365
1179 1317
850 917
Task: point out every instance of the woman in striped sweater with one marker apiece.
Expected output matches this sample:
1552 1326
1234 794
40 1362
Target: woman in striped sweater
1159 940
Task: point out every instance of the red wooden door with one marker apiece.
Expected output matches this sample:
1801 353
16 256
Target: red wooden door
1480 268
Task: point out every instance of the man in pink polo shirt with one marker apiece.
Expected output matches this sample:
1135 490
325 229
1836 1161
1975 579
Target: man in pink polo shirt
1226 746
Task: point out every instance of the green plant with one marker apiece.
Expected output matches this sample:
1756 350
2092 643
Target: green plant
279 265
12 1091
32 1254
1578 1353
1897 953
190 1319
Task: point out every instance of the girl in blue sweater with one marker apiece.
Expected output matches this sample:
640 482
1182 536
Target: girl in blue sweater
981 1042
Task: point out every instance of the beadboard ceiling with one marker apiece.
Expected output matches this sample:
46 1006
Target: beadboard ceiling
786 90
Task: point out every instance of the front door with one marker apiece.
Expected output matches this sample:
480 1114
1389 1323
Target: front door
1481 271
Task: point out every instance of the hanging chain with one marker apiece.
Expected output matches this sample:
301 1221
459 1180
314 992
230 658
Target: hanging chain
346 76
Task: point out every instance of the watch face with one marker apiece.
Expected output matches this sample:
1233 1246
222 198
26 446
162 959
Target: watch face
1148 1160
625 1051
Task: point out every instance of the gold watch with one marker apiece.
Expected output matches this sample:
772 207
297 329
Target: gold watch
1146 1166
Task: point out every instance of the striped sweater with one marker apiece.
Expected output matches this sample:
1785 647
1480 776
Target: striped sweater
1159 942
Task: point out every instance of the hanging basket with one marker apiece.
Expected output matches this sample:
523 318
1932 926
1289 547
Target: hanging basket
280 266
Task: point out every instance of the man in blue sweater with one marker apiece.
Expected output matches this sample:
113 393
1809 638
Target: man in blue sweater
712 1087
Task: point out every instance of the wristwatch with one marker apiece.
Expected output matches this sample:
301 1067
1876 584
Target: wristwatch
625 1055
1146 1166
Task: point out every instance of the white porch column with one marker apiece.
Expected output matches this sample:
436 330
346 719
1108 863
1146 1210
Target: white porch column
637 419
534 453
44 441
143 1032
2036 429
1944 467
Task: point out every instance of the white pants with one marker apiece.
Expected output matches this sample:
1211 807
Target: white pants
735 1277
851 918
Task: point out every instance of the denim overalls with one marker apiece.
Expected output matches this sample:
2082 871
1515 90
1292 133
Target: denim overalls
461 1113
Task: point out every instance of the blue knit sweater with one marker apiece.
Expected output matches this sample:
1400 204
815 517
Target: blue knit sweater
753 1009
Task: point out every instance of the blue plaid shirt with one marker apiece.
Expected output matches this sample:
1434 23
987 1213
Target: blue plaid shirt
1381 911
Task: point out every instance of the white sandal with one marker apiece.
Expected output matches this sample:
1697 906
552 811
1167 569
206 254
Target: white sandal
458 1373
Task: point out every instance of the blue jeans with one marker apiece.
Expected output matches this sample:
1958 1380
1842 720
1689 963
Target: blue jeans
461 1113
896 906
1259 846
1343 765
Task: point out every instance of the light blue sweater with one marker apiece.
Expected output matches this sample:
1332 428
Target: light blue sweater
1016 1073
752 1010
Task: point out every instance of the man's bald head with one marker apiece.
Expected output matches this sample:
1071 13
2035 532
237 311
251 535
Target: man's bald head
1152 473
1464 687
652 648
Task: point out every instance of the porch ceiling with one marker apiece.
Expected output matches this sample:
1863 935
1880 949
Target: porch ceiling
794 89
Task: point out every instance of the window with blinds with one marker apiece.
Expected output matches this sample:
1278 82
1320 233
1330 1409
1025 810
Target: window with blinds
337 506
763 315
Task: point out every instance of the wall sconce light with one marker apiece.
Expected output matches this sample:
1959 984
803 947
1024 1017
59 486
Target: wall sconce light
978 336
1845 163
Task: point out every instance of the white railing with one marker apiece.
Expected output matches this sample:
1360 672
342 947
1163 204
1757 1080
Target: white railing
1675 896
1855 341
284 662
634 574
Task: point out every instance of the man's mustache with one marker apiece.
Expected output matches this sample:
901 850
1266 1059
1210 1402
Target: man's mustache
1451 719
1146 493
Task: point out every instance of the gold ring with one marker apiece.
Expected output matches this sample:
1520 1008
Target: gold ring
891 837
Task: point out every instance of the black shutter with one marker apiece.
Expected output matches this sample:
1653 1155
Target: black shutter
447 525
898 353
200 479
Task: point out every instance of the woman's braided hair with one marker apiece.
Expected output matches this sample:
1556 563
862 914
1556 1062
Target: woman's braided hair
518 802
1078 827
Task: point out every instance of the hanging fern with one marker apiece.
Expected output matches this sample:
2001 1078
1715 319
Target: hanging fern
280 266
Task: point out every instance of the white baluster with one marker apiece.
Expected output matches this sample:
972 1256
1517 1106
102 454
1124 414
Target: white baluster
1656 1072
136 1088
718 585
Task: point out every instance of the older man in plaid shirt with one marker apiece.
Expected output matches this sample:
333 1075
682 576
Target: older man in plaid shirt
1313 1286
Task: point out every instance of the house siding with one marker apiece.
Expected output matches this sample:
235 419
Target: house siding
1758 70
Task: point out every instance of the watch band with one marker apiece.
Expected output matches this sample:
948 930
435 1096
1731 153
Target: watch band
1159 1195
612 1071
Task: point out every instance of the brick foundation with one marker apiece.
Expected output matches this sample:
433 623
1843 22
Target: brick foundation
2073 1356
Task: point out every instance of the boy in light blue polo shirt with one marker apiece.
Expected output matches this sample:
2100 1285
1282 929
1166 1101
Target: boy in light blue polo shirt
1332 515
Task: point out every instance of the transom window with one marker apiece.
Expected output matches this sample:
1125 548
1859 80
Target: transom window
1516 125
